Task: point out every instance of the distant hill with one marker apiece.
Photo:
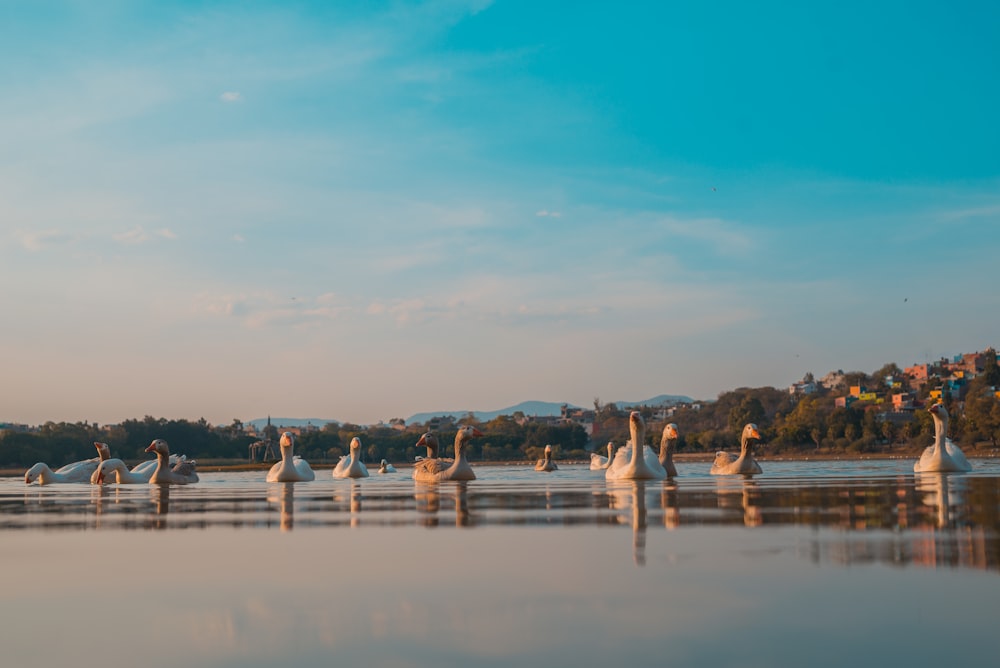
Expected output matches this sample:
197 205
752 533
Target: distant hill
260 423
542 408
531 408
658 400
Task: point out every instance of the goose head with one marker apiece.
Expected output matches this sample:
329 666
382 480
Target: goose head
464 435
103 450
429 440
31 475
938 411
669 437
355 445
160 447
107 469
750 433
383 463
637 427
611 448
287 440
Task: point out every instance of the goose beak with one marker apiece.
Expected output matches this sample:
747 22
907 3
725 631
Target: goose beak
476 432
151 448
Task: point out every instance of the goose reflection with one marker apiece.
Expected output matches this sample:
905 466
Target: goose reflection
632 495
160 496
668 502
353 502
283 493
941 491
744 489
99 495
427 498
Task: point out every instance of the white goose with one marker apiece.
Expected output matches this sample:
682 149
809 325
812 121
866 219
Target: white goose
291 468
181 473
80 471
600 462
943 456
546 464
103 454
115 470
433 470
667 443
726 464
386 467
350 465
631 463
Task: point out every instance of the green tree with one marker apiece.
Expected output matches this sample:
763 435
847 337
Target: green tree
890 430
750 409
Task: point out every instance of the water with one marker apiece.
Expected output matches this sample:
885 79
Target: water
810 563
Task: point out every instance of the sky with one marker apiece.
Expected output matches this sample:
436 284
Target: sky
363 210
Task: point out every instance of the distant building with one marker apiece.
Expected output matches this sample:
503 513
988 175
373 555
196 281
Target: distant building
802 387
833 380
903 401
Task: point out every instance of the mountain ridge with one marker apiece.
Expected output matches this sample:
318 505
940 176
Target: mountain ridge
530 408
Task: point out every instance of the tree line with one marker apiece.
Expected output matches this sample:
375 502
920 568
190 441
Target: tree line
788 424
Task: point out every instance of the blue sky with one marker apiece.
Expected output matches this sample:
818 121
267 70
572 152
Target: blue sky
361 211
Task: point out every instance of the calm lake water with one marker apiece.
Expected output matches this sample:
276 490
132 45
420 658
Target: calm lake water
809 564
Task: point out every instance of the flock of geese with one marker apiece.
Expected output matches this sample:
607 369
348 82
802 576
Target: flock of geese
628 463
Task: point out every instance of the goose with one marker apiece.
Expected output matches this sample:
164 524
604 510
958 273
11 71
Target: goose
103 454
726 464
181 473
291 468
546 464
115 470
943 456
433 470
76 472
81 471
600 462
667 443
631 463
386 467
428 440
140 472
350 465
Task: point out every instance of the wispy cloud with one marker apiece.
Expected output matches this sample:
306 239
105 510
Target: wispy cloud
231 96
720 234
262 310
544 213
988 211
139 235
43 239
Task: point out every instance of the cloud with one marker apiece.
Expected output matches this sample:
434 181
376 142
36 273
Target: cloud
138 235
239 238
715 232
43 239
231 96
974 212
548 214
258 311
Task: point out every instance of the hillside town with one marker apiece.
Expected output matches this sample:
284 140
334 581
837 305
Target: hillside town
842 412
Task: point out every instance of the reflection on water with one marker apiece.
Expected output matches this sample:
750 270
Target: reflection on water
792 567
925 519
